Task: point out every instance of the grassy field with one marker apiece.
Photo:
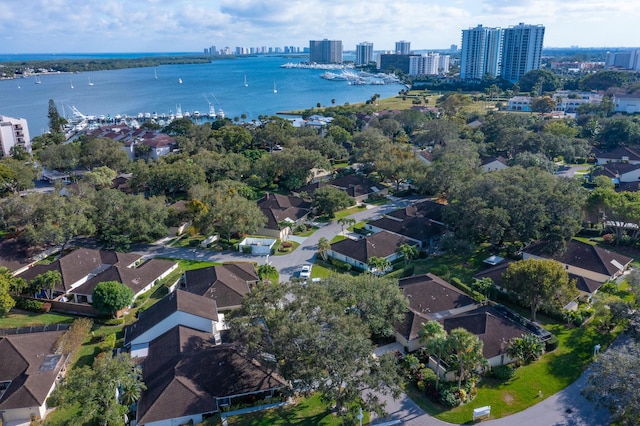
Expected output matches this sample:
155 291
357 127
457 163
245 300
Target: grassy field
306 412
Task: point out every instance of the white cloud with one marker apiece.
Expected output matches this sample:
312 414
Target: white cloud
190 25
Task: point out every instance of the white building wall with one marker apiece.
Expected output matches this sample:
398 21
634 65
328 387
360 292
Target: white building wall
177 318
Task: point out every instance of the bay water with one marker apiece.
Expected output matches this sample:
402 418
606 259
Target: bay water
269 89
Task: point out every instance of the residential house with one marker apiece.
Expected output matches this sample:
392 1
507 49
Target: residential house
583 259
226 284
433 299
617 155
121 183
177 308
282 208
358 252
188 377
137 143
426 156
359 187
586 286
627 103
492 327
421 223
491 164
82 269
618 172
29 369
430 298
569 101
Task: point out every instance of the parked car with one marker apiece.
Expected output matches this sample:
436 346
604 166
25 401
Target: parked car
305 272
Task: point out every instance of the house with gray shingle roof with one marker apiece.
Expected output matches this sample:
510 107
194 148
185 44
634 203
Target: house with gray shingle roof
357 252
583 259
176 308
29 368
434 299
83 269
279 208
226 284
188 375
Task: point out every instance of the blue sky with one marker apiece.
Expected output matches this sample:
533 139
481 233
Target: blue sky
50 26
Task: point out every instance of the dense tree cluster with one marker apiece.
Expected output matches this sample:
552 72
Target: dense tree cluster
320 336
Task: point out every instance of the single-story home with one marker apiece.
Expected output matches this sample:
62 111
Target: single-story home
491 164
430 298
177 308
357 252
189 376
617 155
83 269
618 172
29 368
282 208
226 284
583 259
359 187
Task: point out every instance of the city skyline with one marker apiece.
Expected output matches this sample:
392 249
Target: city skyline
42 26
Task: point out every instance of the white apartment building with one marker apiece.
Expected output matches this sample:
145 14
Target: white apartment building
364 53
428 64
13 131
480 56
521 50
623 102
568 101
403 47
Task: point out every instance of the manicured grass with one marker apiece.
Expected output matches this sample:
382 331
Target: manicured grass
349 211
337 238
308 232
310 411
294 245
63 416
17 319
456 266
187 265
378 201
552 373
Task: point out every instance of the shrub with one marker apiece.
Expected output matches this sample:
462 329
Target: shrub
301 228
46 307
449 397
503 372
286 244
551 344
108 342
442 271
247 249
29 304
343 266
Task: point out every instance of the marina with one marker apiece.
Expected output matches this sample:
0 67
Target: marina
215 88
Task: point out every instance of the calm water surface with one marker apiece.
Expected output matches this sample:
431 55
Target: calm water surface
220 83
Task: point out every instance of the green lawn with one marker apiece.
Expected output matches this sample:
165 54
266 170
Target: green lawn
17 319
307 233
349 211
552 373
453 265
307 412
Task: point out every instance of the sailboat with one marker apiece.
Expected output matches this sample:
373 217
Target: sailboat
245 82
90 83
155 74
179 81
274 88
38 80
71 81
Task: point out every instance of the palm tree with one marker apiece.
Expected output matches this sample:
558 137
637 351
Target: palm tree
266 271
346 221
466 352
323 248
378 265
408 252
525 349
434 337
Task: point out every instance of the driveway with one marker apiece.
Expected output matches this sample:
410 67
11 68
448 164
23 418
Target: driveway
569 171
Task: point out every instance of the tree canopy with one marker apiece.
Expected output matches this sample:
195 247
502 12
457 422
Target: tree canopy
111 296
539 283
